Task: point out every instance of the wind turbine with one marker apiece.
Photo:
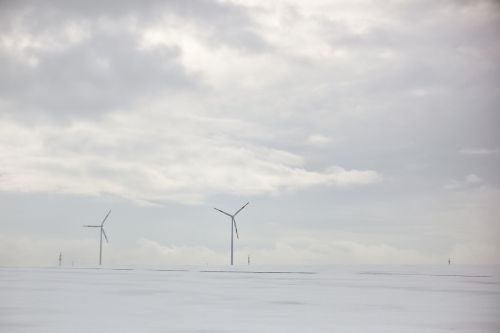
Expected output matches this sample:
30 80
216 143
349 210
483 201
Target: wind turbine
233 225
101 234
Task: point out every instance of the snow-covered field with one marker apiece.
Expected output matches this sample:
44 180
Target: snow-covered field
251 299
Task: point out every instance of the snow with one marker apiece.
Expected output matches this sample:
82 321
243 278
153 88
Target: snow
251 299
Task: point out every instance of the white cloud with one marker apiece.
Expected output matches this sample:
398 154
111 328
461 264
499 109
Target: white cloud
149 252
469 180
318 139
304 250
479 151
475 252
472 179
38 251
150 158
44 251
24 44
322 251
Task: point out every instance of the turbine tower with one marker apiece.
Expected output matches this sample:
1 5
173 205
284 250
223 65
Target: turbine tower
233 226
101 234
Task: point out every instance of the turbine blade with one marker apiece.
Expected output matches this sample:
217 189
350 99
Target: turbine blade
223 212
102 230
236 228
106 217
92 226
239 210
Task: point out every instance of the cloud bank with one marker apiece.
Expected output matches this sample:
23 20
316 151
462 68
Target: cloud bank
175 158
378 119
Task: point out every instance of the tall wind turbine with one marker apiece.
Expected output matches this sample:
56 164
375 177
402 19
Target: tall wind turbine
233 224
101 234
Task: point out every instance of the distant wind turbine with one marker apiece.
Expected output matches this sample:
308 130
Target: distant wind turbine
233 226
102 233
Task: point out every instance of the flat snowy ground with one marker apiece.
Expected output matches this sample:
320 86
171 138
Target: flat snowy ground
251 299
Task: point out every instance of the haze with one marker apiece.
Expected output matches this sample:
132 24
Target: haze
360 132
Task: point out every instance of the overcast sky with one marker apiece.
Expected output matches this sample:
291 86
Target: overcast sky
360 131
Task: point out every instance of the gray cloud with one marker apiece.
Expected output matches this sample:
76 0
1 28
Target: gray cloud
102 75
70 58
165 164
374 126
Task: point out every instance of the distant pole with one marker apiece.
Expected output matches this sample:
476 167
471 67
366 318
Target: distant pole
249 259
60 259
449 261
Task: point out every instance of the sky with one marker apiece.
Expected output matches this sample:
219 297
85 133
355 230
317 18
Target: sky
361 132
